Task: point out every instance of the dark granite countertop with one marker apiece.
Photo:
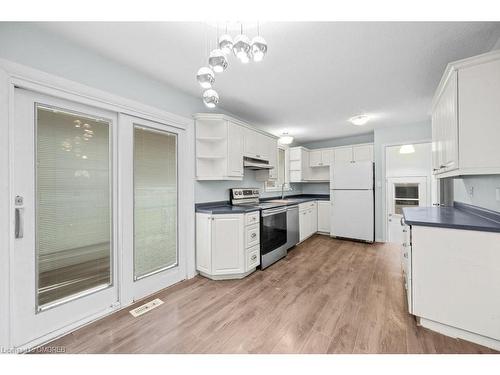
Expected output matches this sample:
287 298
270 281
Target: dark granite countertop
224 207
460 216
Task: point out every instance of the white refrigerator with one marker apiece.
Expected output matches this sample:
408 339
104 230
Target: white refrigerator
352 196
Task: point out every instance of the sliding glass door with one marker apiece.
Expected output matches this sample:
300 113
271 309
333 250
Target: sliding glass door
155 201
65 257
151 214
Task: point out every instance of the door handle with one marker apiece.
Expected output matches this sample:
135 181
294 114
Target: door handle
19 218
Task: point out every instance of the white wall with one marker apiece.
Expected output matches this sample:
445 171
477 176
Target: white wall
405 134
418 163
478 190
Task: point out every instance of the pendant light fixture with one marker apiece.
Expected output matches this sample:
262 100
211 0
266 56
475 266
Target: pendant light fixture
205 77
210 98
226 43
217 61
259 46
242 48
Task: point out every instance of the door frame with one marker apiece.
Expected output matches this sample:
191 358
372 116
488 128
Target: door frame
16 75
381 185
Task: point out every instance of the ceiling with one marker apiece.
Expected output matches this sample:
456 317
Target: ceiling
316 74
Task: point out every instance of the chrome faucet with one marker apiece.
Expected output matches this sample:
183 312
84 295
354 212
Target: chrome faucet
283 191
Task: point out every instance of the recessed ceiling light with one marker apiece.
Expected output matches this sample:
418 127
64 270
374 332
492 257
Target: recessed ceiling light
359 120
407 149
285 139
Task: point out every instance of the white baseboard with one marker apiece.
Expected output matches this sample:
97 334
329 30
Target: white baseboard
460 334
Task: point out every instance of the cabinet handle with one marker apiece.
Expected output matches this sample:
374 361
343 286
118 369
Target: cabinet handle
442 166
405 255
258 156
435 169
254 235
253 257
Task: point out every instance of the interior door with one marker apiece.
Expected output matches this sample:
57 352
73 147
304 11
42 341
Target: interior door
64 258
403 192
150 196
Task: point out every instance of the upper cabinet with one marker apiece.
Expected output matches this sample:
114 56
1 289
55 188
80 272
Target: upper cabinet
221 144
354 153
466 118
312 165
320 158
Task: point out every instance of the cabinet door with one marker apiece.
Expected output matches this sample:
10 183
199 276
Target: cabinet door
313 220
251 143
449 125
228 244
436 140
235 137
342 154
362 153
272 146
324 216
479 116
326 157
315 158
303 225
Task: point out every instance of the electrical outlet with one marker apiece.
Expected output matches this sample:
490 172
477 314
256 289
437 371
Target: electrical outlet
471 191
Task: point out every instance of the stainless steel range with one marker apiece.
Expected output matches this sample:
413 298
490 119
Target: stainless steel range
273 224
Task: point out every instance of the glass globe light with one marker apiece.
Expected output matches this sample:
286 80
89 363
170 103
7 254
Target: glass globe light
226 44
217 61
242 48
210 98
259 48
205 77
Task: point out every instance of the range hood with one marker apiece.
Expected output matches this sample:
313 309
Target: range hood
256 164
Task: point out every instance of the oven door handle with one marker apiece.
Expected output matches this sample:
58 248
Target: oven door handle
273 211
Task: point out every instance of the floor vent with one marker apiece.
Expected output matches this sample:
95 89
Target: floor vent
143 309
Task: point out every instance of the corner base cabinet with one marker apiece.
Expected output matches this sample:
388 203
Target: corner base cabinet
227 245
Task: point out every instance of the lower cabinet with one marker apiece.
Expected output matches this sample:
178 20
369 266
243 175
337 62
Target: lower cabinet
455 282
226 247
324 216
308 220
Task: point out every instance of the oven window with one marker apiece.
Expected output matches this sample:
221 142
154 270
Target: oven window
272 232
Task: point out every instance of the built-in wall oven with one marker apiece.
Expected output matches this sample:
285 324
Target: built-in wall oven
272 235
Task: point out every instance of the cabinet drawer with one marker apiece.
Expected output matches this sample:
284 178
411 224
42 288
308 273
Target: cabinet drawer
252 218
253 257
252 235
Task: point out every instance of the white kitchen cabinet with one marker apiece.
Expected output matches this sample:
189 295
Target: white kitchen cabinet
299 164
320 158
226 245
271 145
445 127
455 281
363 152
465 118
221 144
342 154
315 159
308 220
235 149
324 216
256 145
